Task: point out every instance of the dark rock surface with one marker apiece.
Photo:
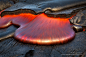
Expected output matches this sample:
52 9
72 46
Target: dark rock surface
4 5
12 48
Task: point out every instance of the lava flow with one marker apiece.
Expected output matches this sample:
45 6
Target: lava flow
1 12
39 29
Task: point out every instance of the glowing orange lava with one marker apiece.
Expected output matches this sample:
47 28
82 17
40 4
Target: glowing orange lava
39 29
1 12
84 29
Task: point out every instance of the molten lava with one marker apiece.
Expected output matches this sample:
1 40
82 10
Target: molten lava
39 29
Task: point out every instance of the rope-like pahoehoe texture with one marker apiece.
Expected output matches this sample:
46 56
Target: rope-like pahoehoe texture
57 9
7 36
47 14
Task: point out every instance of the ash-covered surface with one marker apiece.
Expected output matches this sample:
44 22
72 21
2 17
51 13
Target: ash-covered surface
12 48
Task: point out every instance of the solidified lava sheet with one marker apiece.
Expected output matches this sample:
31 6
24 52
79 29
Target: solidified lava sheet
39 29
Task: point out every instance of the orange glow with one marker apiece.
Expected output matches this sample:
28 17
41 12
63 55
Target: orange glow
39 29
1 12
46 30
83 29
19 19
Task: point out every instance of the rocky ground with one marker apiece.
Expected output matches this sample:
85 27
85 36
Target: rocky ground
12 48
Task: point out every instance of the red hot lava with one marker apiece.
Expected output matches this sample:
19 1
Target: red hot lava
39 29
